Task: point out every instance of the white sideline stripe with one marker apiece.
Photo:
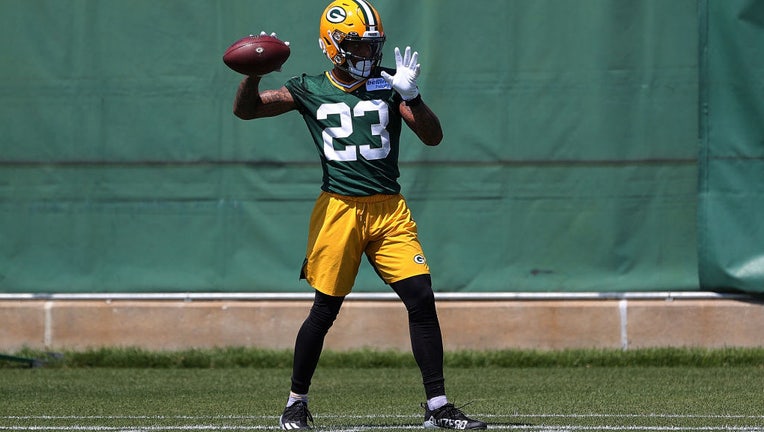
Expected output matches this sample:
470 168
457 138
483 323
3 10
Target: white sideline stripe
136 427
363 428
549 428
383 416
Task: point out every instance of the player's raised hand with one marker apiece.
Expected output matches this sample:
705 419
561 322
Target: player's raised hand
406 72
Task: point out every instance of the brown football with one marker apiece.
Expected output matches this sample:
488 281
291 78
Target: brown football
256 55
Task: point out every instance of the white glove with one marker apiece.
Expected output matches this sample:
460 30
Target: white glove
406 73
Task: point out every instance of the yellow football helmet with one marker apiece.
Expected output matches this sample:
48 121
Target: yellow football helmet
345 22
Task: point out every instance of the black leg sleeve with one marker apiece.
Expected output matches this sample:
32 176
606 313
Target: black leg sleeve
310 340
426 339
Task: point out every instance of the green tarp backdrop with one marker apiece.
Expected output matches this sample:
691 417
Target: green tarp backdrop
590 145
731 198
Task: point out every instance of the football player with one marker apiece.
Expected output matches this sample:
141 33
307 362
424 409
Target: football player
354 113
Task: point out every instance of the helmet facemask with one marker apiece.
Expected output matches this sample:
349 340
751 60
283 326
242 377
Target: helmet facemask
358 56
361 66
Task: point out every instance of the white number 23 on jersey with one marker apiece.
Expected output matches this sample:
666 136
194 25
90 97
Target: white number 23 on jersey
345 129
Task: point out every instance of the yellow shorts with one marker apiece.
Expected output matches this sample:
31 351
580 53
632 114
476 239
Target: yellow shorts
343 228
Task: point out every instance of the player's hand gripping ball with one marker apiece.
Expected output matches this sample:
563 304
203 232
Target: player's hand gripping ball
257 54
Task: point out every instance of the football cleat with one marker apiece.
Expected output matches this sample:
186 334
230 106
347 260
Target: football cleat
449 417
295 417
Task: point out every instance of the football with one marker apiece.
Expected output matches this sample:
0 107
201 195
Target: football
256 54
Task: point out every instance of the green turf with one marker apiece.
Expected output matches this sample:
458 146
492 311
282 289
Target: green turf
528 398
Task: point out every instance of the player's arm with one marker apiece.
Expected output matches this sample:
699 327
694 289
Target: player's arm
417 115
251 103
420 118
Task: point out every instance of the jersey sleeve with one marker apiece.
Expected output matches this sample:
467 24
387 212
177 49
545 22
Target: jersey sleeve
297 88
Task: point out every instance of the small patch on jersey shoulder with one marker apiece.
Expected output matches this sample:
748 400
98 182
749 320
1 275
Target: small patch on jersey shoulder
373 84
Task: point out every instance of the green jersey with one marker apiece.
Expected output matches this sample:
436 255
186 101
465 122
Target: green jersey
356 132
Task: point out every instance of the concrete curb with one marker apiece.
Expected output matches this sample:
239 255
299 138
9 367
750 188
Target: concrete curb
531 321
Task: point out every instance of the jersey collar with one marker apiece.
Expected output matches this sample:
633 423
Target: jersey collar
342 86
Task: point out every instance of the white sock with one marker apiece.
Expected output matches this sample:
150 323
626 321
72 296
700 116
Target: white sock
294 397
436 402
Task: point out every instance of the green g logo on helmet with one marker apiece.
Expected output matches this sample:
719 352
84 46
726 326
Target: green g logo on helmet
336 15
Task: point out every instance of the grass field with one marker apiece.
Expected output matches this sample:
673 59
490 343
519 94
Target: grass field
361 398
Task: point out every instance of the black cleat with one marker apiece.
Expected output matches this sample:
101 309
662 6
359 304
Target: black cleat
449 417
296 417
